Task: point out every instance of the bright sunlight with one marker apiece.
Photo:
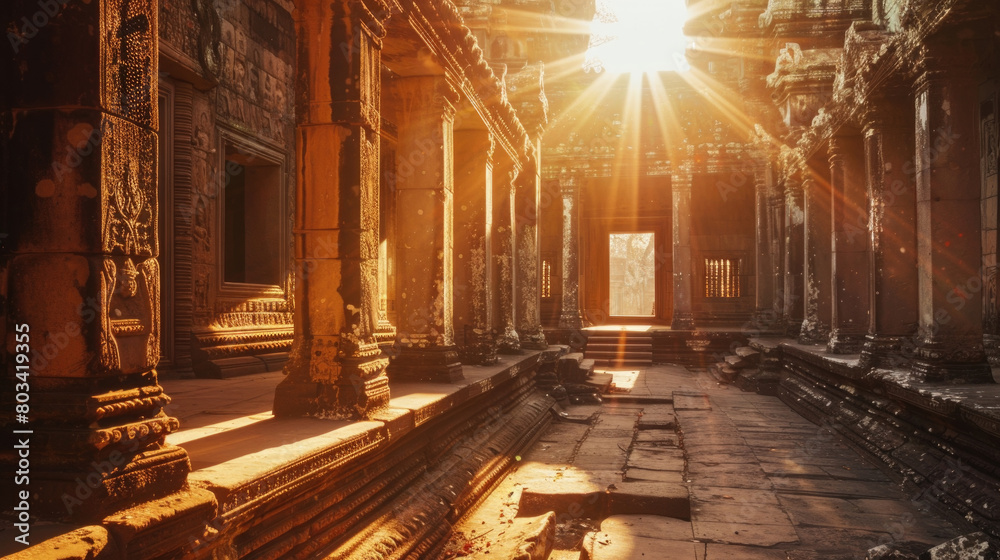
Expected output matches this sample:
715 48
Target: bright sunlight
637 36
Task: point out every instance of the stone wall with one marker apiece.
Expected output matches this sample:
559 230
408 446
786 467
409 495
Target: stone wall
229 68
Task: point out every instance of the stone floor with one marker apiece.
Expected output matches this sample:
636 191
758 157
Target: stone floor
681 467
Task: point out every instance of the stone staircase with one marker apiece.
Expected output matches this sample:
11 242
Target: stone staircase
622 349
751 369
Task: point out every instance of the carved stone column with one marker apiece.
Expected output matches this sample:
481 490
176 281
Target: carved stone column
505 272
817 293
336 365
948 236
83 411
571 317
527 193
474 245
776 234
763 313
424 222
794 254
891 189
849 319
680 185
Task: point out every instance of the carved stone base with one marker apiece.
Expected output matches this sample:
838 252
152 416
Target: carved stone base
435 364
682 321
845 343
509 342
765 321
318 384
533 339
882 351
572 320
960 360
480 348
115 481
813 332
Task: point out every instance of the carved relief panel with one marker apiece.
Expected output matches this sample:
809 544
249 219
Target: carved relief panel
128 53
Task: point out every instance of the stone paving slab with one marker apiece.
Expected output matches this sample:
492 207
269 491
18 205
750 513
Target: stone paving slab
736 552
605 546
761 481
744 533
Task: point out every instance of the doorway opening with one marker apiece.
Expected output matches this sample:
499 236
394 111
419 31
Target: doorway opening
632 274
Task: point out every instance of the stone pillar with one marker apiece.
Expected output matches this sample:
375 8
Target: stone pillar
424 222
891 189
527 300
571 317
505 272
850 263
792 312
763 313
948 236
473 313
680 186
336 365
776 221
817 305
79 275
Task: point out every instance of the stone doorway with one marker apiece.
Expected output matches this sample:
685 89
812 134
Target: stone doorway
632 274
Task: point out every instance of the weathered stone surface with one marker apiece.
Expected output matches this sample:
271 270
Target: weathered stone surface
621 545
87 543
974 546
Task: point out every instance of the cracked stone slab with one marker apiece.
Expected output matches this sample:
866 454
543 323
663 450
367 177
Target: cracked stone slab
620 546
648 526
743 533
691 401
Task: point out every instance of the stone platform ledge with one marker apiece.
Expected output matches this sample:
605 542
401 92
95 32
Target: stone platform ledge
976 404
260 458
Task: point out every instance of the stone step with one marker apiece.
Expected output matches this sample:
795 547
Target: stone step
737 362
623 363
620 355
526 538
616 347
553 353
641 537
748 353
620 339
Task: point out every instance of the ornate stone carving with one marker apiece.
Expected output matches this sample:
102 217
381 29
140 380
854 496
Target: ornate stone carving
129 189
128 52
130 325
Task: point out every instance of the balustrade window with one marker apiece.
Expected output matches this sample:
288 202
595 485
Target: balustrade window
723 278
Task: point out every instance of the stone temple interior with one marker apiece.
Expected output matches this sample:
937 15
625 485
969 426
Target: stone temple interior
406 279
